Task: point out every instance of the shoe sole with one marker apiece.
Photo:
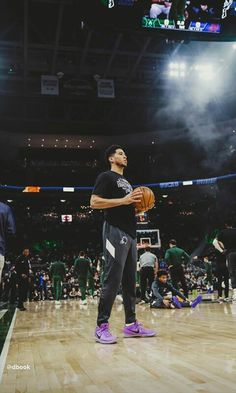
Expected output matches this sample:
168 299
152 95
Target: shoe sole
98 340
140 335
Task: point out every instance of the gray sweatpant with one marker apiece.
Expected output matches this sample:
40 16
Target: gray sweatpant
120 253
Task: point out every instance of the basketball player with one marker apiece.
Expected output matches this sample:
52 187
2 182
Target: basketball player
23 268
58 272
7 226
174 258
113 193
161 289
82 268
227 245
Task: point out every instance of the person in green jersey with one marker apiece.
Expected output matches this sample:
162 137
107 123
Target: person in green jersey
57 271
82 268
175 257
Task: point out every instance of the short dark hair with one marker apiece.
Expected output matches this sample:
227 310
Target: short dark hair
81 253
162 273
229 223
173 242
147 249
110 151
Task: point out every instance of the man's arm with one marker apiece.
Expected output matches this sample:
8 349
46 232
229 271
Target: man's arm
75 266
98 202
155 292
156 266
186 257
176 292
51 269
167 258
218 245
11 226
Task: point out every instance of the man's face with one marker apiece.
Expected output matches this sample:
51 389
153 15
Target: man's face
163 279
26 252
119 158
204 7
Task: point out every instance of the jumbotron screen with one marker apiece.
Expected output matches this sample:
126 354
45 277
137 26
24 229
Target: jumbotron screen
204 16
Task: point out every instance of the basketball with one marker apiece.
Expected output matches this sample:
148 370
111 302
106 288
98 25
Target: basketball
147 202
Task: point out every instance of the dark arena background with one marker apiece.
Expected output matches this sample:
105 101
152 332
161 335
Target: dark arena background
157 79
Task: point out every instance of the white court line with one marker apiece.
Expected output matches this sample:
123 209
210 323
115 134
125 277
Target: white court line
35 332
5 349
2 312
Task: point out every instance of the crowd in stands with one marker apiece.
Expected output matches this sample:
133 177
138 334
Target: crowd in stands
41 286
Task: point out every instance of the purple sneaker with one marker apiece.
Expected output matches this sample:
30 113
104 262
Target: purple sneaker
137 330
103 334
176 302
196 301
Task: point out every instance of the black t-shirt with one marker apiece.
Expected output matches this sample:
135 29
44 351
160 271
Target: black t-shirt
228 238
22 265
112 185
82 266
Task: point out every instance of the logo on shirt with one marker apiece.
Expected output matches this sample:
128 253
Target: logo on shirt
124 184
124 240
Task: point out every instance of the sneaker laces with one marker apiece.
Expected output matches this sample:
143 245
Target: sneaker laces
139 326
105 330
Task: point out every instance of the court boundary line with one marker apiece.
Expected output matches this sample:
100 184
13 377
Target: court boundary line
4 353
2 313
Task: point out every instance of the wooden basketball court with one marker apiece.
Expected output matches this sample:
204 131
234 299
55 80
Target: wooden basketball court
194 351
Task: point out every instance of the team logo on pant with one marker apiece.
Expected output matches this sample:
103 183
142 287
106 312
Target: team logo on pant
124 240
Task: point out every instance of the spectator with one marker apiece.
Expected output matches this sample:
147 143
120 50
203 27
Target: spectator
73 293
159 7
200 11
209 278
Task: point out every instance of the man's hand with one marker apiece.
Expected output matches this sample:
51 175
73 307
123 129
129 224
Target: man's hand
167 4
166 303
133 197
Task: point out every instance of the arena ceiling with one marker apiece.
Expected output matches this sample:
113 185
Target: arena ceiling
53 37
